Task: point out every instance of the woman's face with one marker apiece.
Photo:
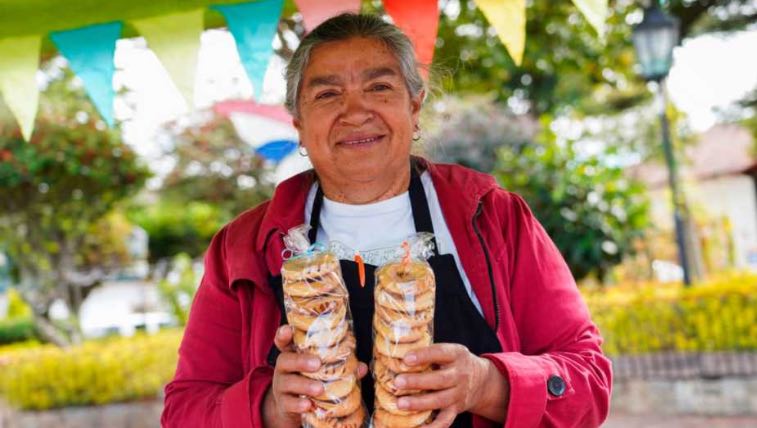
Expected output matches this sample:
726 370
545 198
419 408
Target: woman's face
356 114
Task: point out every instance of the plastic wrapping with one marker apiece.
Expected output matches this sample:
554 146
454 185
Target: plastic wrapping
317 307
405 296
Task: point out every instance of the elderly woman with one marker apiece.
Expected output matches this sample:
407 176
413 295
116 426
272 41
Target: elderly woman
514 344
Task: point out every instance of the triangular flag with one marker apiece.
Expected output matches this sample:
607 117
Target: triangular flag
253 26
19 60
508 17
89 52
419 19
175 39
595 11
314 12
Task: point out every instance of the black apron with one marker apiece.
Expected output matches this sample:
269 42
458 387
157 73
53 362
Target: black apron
456 319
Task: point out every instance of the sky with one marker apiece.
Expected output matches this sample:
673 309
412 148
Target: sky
710 72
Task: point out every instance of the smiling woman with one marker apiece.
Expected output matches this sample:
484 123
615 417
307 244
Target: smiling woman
514 344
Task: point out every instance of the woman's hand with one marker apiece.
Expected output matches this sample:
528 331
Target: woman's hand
463 382
288 397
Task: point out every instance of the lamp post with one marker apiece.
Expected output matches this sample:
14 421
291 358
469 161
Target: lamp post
654 39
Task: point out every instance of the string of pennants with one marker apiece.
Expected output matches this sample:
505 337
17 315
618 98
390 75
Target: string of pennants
175 39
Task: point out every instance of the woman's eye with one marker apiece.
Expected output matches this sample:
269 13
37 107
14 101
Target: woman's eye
324 95
380 87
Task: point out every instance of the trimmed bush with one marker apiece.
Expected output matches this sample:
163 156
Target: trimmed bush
110 370
16 330
718 315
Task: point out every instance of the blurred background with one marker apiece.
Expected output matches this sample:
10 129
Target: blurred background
131 132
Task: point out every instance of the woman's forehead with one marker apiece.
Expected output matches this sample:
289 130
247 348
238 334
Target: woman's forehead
365 57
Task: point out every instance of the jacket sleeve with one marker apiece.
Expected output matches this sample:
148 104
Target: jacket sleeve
557 336
210 388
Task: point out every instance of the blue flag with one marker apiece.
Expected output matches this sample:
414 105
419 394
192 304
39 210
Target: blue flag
89 52
253 26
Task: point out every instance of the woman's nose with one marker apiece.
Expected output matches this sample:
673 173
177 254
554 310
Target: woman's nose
355 109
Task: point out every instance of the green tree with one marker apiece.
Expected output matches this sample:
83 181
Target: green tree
591 209
216 176
55 195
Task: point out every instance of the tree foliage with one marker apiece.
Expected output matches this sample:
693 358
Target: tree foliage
591 210
55 195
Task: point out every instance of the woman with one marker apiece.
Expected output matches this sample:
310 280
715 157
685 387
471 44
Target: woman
514 343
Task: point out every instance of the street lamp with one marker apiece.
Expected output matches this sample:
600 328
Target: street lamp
654 39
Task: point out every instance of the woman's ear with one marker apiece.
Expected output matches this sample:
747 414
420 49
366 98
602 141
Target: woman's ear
415 104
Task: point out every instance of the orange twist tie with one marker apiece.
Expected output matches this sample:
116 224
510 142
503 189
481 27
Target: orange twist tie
360 268
406 257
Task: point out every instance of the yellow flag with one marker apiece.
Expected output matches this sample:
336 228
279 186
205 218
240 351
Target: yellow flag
19 60
175 39
508 17
595 11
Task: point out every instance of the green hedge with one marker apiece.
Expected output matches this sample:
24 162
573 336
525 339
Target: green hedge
111 370
17 330
718 315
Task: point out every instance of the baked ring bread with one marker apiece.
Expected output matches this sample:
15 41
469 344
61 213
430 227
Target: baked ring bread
337 388
340 407
417 319
330 318
318 338
355 420
406 302
400 278
385 419
399 331
334 370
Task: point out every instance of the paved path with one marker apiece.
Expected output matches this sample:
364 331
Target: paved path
652 421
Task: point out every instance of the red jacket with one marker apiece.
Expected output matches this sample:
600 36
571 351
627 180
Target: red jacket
543 324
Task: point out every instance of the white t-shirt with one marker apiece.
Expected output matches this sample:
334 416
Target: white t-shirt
372 227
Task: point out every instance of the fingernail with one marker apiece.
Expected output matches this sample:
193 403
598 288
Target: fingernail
399 382
402 403
410 359
313 364
304 405
316 389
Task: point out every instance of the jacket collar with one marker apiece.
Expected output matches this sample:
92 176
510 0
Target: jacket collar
456 186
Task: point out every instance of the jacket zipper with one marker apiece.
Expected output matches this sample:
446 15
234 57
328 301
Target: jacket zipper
479 210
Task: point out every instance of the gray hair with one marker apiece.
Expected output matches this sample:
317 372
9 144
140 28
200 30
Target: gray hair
343 27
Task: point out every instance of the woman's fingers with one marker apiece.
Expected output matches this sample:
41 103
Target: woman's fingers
438 353
362 370
431 401
283 339
289 362
298 385
432 380
293 404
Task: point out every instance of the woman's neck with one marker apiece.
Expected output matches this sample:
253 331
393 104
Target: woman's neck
361 193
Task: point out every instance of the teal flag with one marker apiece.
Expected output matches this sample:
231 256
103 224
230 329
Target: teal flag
89 52
253 26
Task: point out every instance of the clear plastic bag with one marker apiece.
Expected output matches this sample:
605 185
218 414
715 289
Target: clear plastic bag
403 321
317 307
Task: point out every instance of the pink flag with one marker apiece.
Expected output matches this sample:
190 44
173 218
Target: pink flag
419 19
316 11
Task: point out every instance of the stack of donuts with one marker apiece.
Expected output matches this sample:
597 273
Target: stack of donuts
403 322
317 307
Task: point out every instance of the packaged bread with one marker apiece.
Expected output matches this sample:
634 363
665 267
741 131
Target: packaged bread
403 321
317 308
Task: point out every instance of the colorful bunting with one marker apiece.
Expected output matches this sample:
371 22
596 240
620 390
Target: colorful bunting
508 17
596 12
267 128
19 60
175 39
89 52
314 12
253 26
419 19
